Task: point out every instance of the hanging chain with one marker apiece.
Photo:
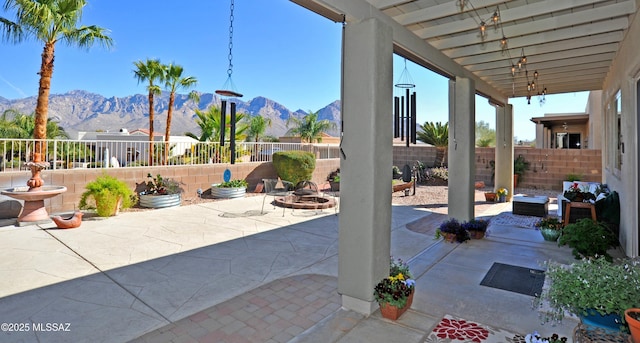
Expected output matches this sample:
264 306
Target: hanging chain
230 70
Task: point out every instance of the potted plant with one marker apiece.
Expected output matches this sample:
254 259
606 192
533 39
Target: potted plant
334 180
550 228
588 238
394 293
476 228
502 194
596 290
160 192
490 196
632 317
230 189
397 174
107 195
451 230
576 193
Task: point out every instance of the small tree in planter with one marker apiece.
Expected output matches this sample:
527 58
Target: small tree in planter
107 195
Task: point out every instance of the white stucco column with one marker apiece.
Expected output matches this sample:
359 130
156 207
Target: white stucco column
462 148
365 169
541 139
504 148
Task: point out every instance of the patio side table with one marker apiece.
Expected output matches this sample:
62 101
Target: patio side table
576 204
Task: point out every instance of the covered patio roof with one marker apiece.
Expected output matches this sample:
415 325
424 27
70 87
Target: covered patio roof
571 44
569 119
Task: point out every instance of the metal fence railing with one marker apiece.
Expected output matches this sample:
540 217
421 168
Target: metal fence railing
68 154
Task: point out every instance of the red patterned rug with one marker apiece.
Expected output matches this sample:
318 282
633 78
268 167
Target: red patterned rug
454 329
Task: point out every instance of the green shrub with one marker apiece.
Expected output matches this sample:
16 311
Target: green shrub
573 177
104 193
294 166
234 184
588 238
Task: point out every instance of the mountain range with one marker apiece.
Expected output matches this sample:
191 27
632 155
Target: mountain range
79 110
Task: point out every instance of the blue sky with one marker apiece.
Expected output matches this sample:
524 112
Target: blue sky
280 51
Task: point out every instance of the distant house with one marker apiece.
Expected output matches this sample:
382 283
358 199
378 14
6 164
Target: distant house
571 130
326 139
131 146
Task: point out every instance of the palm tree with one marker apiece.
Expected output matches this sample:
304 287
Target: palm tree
22 126
437 135
210 128
257 126
209 123
309 128
151 71
49 22
173 81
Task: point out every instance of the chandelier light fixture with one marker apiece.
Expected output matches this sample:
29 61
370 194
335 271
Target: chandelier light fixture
521 63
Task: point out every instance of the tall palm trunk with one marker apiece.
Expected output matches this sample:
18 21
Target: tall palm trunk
150 128
172 99
441 156
42 106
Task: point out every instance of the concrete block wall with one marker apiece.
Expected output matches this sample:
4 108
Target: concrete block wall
547 169
191 177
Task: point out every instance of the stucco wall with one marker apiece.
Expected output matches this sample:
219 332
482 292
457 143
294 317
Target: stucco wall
623 75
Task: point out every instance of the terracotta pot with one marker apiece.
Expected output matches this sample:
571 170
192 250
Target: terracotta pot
449 237
634 324
476 234
490 196
392 312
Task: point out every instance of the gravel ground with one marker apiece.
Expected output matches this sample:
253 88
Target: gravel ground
425 195
438 195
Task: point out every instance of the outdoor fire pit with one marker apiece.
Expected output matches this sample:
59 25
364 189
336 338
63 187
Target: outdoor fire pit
305 196
306 187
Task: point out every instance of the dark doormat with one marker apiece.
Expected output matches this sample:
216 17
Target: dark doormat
521 280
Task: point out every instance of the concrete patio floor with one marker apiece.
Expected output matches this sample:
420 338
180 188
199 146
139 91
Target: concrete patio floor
222 272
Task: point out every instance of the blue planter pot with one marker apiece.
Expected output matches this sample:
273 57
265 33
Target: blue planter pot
611 322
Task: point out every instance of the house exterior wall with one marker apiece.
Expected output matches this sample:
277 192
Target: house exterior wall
623 76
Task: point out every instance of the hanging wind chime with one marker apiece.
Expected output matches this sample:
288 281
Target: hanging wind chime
404 109
228 90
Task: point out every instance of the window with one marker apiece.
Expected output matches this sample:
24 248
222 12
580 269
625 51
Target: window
613 133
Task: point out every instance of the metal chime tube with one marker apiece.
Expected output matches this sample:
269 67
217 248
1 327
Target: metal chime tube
396 117
408 117
413 118
232 138
223 116
402 118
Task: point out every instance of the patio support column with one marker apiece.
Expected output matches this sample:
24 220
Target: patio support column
365 167
462 148
541 139
504 148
